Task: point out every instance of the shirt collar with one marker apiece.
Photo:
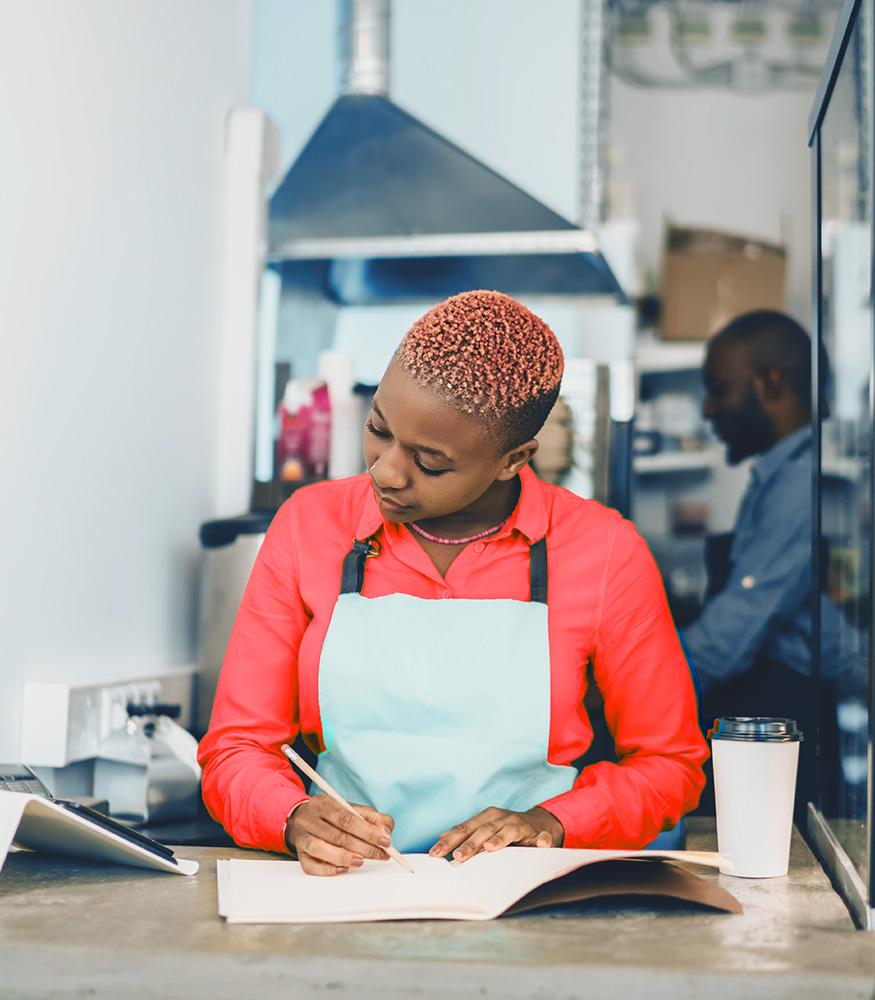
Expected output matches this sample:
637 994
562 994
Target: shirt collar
529 517
782 451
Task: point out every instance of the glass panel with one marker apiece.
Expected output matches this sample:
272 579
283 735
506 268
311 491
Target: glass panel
846 247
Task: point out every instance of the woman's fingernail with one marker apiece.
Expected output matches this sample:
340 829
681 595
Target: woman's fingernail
340 871
357 862
435 850
385 842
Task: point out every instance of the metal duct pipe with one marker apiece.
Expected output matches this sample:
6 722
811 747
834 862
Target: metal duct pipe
592 193
363 46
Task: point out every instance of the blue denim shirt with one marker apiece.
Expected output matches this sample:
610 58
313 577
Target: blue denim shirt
765 605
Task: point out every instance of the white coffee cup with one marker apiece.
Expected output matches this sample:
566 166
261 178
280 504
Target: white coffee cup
755 762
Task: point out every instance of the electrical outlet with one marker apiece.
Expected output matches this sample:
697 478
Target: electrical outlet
66 721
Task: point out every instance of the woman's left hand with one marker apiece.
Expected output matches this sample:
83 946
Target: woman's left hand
495 828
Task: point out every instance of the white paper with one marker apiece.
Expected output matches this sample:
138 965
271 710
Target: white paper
270 891
278 891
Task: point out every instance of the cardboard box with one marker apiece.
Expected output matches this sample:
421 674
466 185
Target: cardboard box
710 277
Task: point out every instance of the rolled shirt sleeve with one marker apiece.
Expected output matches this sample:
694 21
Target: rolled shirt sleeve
248 783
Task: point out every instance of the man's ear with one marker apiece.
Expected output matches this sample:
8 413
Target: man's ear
514 460
769 385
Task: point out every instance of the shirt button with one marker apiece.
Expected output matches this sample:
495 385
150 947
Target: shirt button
748 582
479 547
446 593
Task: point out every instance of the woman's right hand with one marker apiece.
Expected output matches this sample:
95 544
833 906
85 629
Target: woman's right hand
329 840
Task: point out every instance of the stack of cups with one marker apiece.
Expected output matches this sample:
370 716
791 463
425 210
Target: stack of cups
755 762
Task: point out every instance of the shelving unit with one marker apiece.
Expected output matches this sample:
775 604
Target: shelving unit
704 459
689 476
653 355
673 473
841 467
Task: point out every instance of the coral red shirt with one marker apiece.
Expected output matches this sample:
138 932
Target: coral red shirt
606 606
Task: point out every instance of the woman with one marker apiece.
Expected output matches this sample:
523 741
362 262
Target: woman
427 627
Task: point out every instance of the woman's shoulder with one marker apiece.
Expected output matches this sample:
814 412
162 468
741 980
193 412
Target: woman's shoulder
573 518
566 506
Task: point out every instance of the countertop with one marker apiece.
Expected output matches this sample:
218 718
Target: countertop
70 929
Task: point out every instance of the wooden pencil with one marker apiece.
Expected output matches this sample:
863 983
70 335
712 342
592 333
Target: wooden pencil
302 765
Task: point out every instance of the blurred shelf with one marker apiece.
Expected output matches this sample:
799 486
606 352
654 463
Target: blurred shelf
668 356
841 467
676 461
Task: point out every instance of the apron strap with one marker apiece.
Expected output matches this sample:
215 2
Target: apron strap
352 574
538 571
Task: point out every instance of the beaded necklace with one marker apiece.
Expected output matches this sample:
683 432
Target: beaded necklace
455 541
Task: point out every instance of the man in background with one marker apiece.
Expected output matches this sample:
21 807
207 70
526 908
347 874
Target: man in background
751 645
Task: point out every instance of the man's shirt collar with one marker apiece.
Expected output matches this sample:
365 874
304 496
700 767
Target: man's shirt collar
780 452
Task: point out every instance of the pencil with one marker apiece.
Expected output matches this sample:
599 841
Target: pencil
302 765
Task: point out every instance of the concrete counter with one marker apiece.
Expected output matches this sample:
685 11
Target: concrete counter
75 930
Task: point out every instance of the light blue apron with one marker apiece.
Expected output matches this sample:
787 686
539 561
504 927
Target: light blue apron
433 710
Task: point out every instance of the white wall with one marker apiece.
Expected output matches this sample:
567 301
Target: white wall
111 125
720 160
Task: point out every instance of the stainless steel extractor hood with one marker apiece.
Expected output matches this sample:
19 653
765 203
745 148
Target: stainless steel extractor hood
380 207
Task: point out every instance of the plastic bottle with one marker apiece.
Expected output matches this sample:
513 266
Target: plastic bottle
304 435
345 457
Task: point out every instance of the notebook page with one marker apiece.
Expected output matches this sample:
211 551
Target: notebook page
272 891
500 878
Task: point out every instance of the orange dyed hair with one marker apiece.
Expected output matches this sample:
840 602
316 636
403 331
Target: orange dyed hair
486 354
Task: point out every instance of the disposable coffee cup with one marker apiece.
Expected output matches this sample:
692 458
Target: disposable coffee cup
755 763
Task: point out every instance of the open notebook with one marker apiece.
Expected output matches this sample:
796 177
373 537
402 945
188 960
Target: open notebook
271 891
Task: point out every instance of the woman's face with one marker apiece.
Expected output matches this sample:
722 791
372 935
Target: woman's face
426 459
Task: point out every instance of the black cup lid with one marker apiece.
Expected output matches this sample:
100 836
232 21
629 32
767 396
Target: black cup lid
756 729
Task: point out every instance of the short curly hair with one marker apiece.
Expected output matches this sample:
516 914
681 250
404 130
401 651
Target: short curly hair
775 340
486 354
